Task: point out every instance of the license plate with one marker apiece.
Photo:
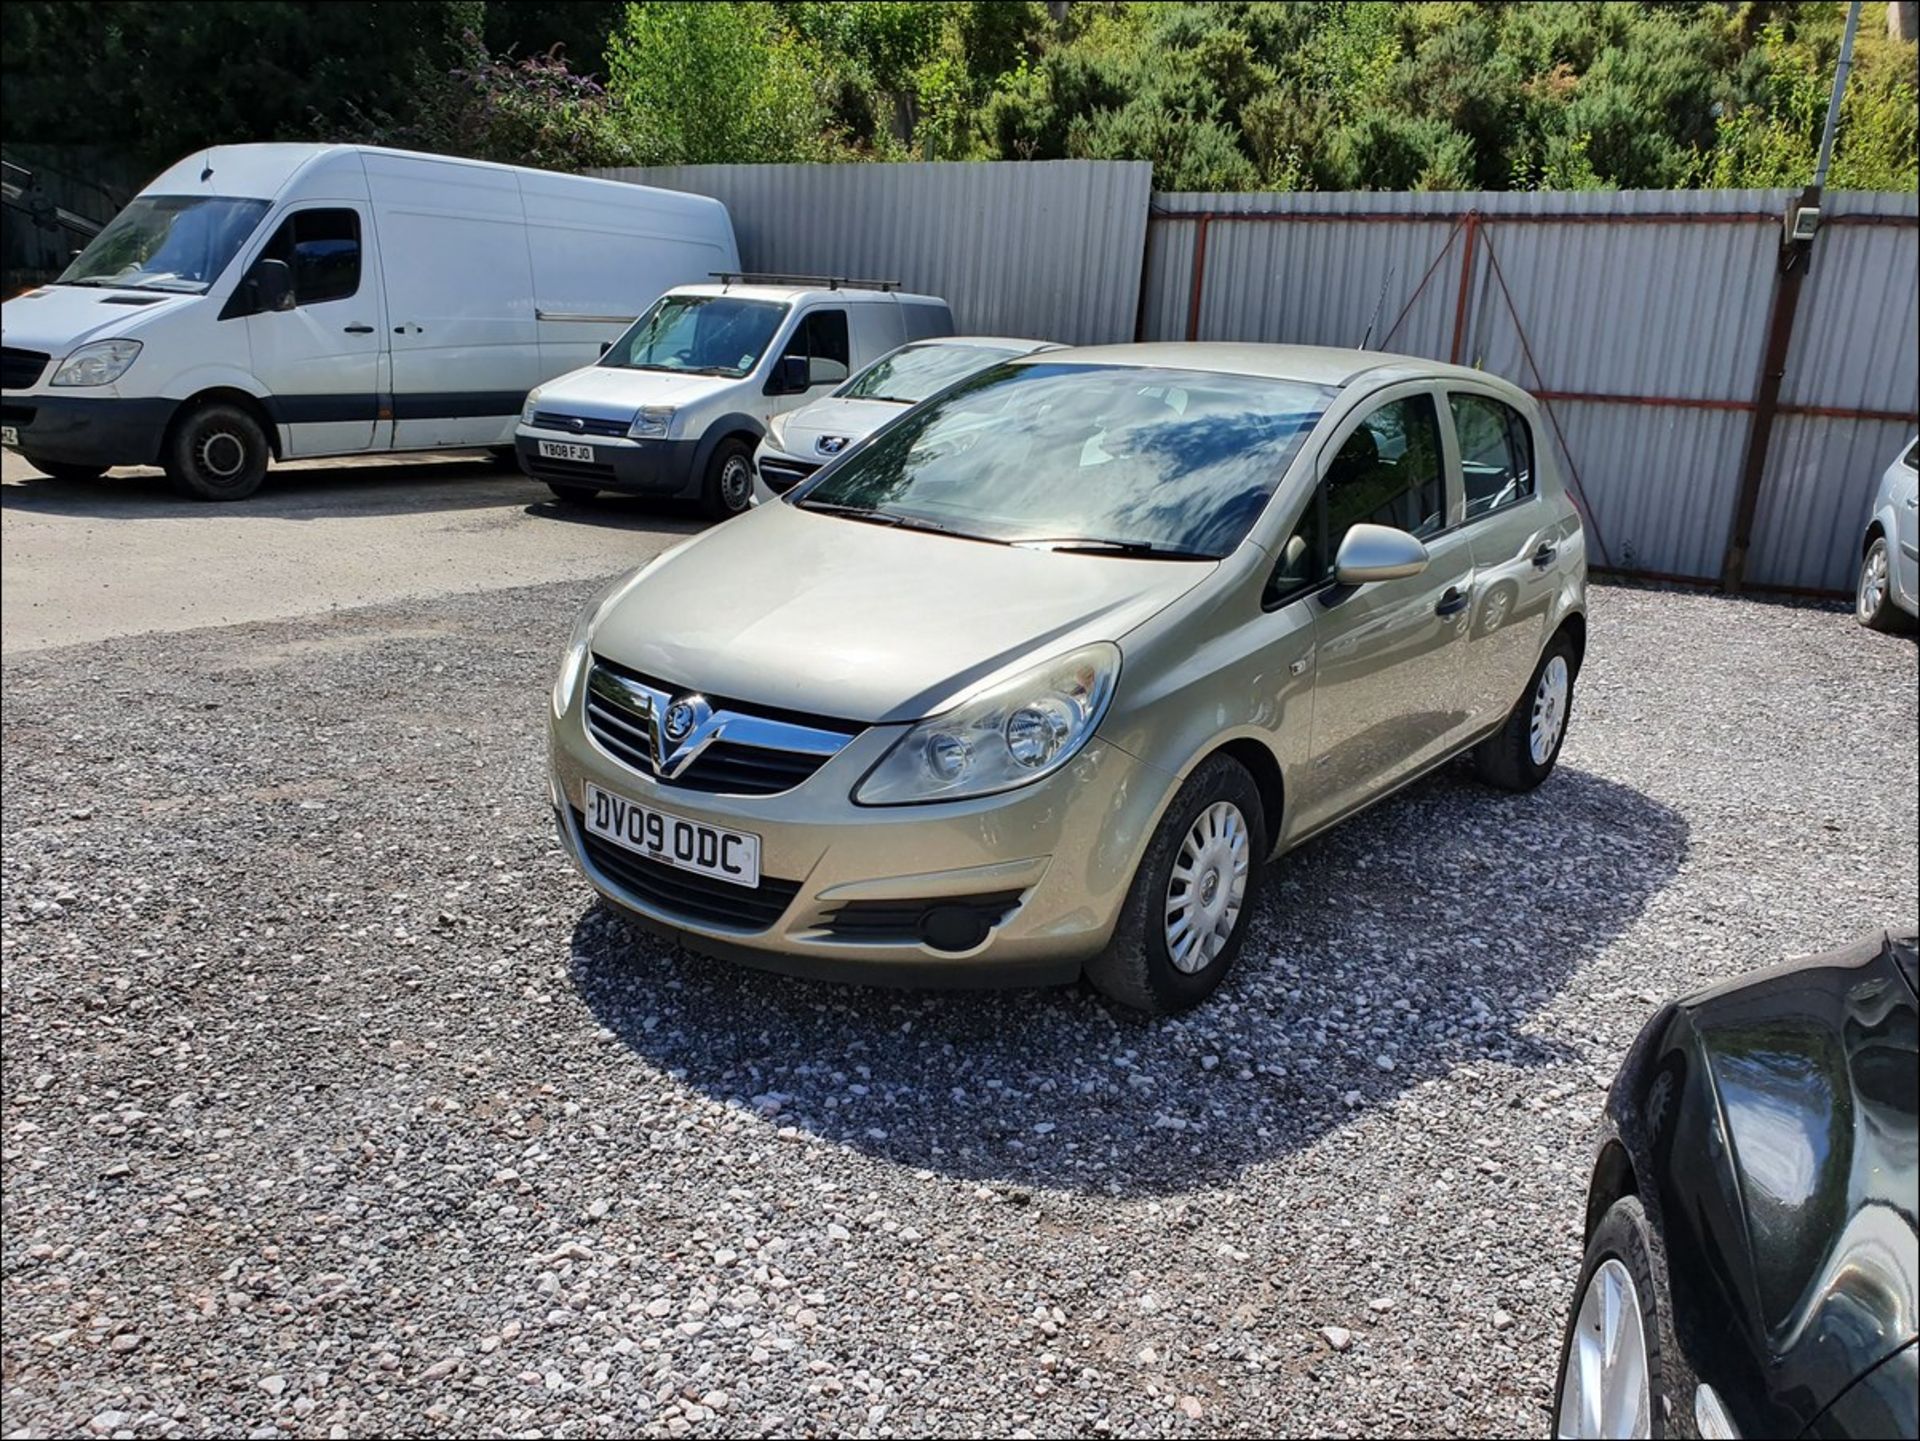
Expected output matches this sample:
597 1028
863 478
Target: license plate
674 840
566 450
8 435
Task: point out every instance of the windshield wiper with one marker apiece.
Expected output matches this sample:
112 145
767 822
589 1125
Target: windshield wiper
851 512
1095 544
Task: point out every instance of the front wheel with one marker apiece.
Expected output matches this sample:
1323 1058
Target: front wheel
1612 1380
1520 755
728 488
219 452
66 469
1185 915
1873 603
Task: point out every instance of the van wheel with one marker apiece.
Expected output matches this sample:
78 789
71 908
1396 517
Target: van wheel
1186 913
728 488
66 469
573 494
218 452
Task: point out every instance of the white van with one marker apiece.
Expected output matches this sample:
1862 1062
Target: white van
677 404
282 301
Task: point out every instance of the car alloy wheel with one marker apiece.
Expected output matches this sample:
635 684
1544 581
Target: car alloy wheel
1605 1390
1208 887
1549 709
1873 584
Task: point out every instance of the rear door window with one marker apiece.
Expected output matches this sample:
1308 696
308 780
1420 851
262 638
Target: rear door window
1496 452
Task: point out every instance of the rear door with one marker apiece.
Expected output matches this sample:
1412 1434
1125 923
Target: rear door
320 361
459 287
1906 520
1513 531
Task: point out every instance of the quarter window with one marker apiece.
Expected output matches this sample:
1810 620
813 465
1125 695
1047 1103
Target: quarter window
322 247
821 336
1496 452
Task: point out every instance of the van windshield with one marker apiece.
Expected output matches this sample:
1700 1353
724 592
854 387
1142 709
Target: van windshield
699 334
167 242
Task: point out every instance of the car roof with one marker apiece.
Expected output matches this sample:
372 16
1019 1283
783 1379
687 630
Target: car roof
791 294
1310 364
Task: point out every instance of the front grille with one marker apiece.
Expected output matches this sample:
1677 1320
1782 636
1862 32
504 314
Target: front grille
621 709
588 425
567 472
20 368
688 895
784 475
947 923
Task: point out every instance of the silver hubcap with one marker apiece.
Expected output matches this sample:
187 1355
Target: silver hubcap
1208 885
222 454
1549 709
1605 1392
1873 581
736 483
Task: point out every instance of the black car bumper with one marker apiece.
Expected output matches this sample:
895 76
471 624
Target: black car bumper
88 430
663 468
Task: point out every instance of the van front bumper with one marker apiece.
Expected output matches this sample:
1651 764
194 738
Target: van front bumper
1050 863
87 429
662 468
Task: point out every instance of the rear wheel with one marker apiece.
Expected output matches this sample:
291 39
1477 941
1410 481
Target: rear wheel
1520 755
1873 603
1612 1378
728 488
66 469
219 452
1185 915
573 494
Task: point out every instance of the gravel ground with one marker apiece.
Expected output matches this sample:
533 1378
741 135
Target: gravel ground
332 1103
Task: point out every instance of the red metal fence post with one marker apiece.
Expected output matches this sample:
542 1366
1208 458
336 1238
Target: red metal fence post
1466 283
1199 276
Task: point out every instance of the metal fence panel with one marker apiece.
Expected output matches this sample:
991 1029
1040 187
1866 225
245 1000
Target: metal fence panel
1046 249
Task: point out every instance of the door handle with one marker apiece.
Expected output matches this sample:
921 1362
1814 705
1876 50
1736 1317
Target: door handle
1543 557
359 330
408 329
1452 603
1913 501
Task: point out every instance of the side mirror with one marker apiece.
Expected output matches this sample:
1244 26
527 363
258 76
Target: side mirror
272 282
790 374
605 346
1378 552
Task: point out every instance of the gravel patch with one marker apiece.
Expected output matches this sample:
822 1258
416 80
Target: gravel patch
331 1103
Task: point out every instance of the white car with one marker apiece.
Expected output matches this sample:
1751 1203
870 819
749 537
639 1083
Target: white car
675 406
1888 596
800 442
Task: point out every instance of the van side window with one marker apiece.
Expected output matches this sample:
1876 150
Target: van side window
322 247
821 336
1496 452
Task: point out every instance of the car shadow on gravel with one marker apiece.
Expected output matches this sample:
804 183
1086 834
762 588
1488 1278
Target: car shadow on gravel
1417 939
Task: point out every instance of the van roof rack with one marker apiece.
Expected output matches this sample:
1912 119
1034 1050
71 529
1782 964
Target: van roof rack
822 282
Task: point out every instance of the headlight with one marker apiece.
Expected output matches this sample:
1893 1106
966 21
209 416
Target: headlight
1013 734
100 363
777 432
651 423
529 405
574 662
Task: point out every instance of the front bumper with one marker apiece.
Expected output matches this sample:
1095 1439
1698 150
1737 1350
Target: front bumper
1065 846
775 472
87 429
663 468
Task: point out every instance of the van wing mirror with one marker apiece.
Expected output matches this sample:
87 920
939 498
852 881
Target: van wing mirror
272 283
1378 552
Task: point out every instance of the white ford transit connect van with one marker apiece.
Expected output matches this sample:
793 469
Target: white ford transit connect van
281 301
677 404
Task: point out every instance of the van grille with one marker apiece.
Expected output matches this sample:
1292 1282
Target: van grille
578 424
19 369
783 475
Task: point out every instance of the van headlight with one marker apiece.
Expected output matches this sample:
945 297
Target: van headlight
1008 736
529 405
101 363
651 423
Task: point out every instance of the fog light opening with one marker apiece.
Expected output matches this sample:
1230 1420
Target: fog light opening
953 928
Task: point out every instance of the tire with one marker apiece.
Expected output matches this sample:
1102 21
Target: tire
1873 603
573 494
218 452
728 487
1622 1239
66 469
1138 968
503 455
1507 758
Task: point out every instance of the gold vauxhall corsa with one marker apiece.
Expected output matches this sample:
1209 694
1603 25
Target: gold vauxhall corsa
1034 680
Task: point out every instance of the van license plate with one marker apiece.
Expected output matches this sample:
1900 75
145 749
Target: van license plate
8 435
564 450
674 840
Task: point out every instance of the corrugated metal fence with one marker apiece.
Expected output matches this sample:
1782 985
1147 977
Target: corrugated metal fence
1049 249
1640 317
